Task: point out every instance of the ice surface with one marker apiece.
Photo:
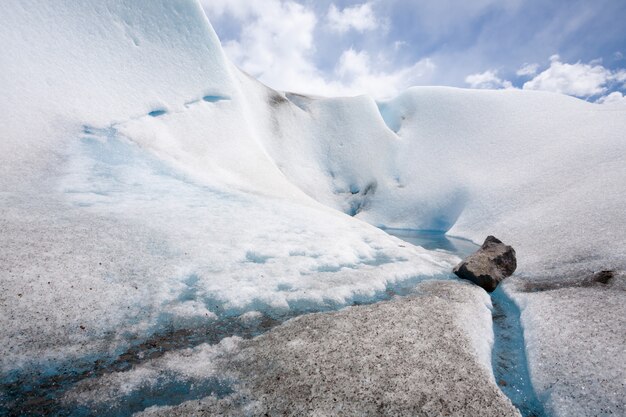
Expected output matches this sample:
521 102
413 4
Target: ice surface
131 247
543 172
147 185
576 346
136 200
366 360
95 62
198 372
528 167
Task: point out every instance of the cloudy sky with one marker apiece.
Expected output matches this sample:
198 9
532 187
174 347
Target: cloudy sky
381 47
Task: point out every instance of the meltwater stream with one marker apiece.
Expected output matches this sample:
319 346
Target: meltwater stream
508 358
37 392
42 396
509 362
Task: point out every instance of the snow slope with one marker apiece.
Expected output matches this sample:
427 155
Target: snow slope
529 167
94 63
138 196
146 185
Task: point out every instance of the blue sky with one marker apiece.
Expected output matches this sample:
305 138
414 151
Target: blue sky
382 47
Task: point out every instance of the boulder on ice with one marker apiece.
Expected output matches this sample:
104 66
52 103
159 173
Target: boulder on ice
489 265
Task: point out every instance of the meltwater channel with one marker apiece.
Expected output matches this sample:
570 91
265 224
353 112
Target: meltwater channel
30 395
508 357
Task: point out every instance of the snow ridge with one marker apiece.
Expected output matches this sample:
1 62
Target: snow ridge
147 184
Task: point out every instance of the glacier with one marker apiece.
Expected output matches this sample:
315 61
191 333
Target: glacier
147 185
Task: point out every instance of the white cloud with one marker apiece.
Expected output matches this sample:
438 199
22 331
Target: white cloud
614 98
527 70
580 80
356 73
397 45
597 61
353 63
276 44
487 80
239 9
295 44
360 17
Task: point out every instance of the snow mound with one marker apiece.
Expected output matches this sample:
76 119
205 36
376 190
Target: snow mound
138 196
540 170
147 185
93 63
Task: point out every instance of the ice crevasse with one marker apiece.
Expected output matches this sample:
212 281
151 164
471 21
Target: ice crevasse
147 183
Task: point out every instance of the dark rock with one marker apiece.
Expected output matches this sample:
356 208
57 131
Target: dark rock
602 277
607 278
489 265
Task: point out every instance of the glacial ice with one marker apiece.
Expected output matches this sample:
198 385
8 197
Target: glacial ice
575 343
365 360
147 185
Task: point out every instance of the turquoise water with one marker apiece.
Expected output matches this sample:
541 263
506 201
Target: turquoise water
435 241
510 365
36 394
509 362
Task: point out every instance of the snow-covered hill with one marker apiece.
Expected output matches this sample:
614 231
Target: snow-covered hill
147 184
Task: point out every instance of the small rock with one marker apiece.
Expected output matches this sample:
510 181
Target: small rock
602 277
489 265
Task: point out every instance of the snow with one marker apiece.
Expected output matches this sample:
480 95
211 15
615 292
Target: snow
202 366
528 167
129 246
94 63
543 172
136 200
148 185
359 361
575 343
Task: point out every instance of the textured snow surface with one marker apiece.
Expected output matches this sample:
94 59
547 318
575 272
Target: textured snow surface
128 247
95 62
147 185
576 347
137 197
202 367
367 360
543 172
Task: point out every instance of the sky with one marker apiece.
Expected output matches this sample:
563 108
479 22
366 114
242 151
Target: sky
382 47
